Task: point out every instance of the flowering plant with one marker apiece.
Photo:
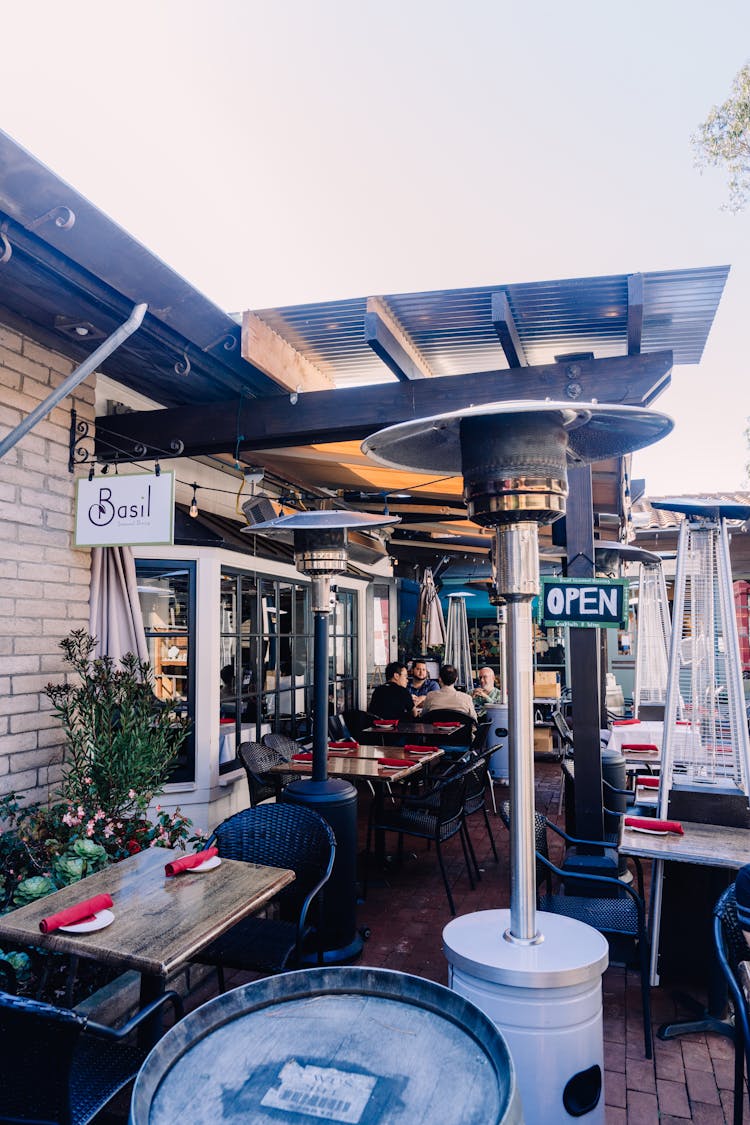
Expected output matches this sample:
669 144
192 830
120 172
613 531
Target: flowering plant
121 741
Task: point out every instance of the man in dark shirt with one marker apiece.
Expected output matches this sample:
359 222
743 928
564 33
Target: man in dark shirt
392 700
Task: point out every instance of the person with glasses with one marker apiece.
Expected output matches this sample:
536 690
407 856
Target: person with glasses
392 700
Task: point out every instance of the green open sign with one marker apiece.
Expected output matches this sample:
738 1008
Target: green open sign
597 603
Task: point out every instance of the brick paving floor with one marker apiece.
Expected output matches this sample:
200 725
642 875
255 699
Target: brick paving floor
689 1079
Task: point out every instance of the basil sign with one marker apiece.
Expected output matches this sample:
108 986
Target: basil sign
598 603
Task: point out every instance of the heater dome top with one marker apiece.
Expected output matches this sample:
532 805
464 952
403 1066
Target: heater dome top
623 552
595 432
704 507
330 520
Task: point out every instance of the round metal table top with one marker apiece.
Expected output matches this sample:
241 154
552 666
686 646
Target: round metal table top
348 1044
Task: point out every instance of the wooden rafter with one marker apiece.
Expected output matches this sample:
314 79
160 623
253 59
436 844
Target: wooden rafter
276 358
392 343
507 334
635 313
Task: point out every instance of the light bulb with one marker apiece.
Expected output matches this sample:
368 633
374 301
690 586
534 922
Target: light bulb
194 503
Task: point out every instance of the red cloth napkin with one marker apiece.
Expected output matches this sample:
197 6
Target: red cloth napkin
395 762
385 723
413 749
81 912
649 746
653 825
344 745
625 722
304 756
189 861
445 726
647 782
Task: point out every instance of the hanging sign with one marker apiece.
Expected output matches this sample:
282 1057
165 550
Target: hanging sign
597 603
115 511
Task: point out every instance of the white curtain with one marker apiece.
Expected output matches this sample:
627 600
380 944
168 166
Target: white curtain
115 613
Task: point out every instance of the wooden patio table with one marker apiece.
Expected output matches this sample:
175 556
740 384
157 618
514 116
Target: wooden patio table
706 845
364 765
160 922
416 731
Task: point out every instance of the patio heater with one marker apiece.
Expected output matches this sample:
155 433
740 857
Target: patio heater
542 987
320 551
653 641
457 640
705 747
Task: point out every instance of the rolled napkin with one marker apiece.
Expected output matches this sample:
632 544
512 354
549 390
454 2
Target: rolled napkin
653 825
385 723
404 762
345 744
446 726
414 749
189 861
625 722
644 747
72 915
304 756
648 782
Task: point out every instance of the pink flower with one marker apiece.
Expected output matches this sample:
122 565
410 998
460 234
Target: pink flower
109 831
132 794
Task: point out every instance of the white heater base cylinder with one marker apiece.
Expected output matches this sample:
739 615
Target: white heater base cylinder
546 999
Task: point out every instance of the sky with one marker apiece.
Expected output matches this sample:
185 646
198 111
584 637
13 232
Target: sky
301 151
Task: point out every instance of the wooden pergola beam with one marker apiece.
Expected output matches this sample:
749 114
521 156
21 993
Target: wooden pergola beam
351 414
507 334
276 358
635 313
391 342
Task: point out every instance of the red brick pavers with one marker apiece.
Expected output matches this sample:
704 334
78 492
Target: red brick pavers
689 1079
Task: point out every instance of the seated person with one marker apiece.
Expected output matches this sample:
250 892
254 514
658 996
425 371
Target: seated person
392 700
448 698
486 692
420 683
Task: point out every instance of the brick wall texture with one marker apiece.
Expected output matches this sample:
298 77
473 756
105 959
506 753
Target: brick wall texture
44 581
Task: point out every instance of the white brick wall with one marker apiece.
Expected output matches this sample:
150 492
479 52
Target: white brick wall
44 581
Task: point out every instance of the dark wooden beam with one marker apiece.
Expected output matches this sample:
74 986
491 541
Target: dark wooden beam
502 319
635 313
387 346
584 663
351 414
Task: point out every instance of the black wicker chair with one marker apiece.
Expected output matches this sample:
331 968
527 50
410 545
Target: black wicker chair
731 949
278 836
258 760
284 746
463 737
606 903
475 801
357 722
56 1066
436 815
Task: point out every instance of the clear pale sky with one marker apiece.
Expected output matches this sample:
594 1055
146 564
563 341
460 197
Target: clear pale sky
316 149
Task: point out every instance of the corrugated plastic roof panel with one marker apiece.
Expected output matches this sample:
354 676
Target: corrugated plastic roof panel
453 328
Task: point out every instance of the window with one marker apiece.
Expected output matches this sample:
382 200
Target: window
342 655
265 660
166 591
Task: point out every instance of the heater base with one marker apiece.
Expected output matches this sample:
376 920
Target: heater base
336 801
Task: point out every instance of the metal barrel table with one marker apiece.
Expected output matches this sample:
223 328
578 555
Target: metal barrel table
346 1044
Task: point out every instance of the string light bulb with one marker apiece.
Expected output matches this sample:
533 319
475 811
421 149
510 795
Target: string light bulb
194 502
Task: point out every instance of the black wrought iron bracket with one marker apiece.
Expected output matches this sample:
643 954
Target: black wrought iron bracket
78 454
